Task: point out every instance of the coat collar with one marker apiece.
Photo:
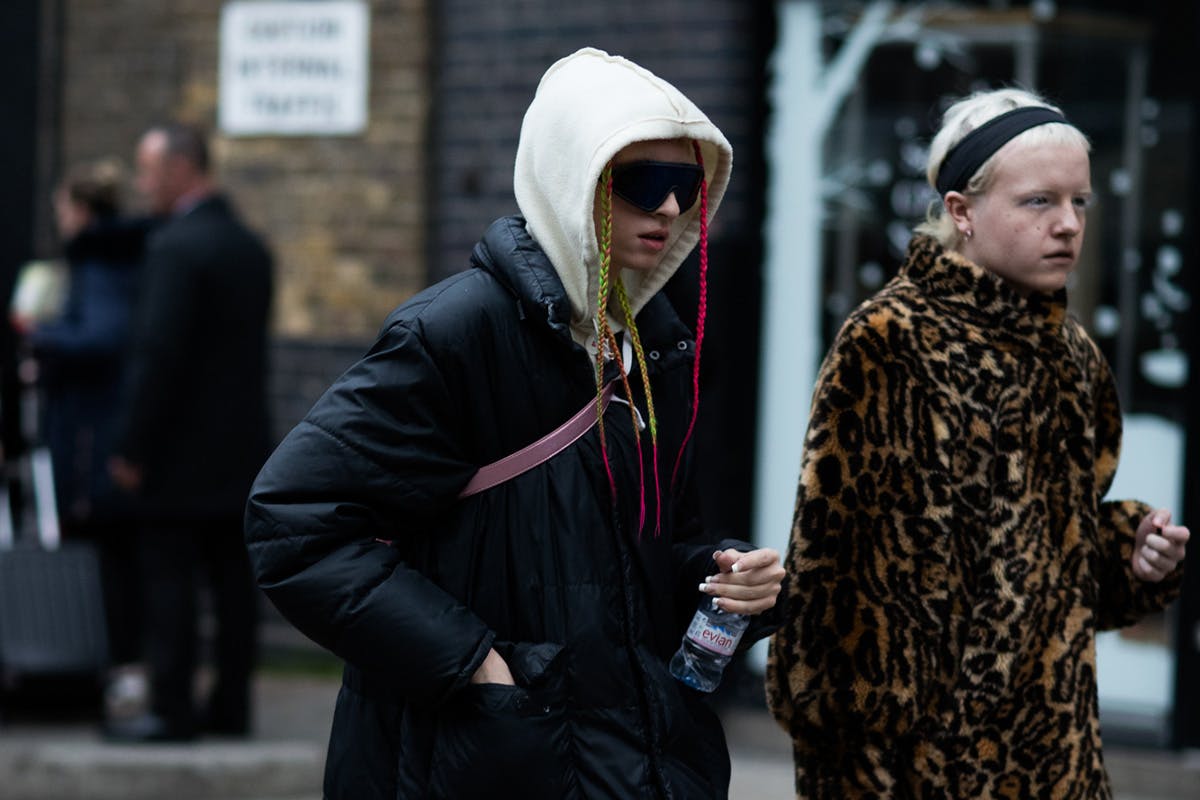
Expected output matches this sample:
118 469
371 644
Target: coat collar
509 253
201 204
978 295
113 240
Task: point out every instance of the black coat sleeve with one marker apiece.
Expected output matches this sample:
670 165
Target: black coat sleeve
163 335
376 459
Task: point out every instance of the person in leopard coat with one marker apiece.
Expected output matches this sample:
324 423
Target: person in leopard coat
953 555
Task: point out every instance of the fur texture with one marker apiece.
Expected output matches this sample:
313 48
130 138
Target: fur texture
952 557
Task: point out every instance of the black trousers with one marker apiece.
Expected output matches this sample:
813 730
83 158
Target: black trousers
117 541
179 559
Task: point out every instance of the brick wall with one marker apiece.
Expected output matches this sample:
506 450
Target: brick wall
492 54
301 371
344 215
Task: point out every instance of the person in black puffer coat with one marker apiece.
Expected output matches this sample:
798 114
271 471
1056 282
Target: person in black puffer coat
514 643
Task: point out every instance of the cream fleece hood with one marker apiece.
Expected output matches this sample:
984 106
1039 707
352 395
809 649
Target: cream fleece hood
589 106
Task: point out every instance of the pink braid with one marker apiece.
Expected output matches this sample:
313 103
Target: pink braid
701 313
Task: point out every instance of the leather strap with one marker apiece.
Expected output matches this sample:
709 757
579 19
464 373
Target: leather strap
542 450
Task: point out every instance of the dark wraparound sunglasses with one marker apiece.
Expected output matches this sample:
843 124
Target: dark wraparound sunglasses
646 184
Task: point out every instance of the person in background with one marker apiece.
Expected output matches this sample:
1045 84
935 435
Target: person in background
954 554
515 641
194 433
81 355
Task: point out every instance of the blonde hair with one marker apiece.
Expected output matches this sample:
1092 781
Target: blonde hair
965 116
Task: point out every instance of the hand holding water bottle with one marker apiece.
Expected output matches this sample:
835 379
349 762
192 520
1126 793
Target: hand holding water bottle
746 583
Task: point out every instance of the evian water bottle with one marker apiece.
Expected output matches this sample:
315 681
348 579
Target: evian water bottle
708 645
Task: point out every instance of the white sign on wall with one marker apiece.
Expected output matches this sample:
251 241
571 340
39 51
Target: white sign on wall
293 67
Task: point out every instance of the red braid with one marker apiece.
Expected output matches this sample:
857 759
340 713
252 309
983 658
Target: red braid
701 313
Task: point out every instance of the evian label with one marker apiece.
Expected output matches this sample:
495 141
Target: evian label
711 636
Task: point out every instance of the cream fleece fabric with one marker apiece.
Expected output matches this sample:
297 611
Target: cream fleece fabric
588 107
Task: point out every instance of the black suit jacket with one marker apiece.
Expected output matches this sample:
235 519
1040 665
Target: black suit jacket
195 416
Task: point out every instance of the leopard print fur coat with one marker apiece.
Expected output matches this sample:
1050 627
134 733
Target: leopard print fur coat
951 557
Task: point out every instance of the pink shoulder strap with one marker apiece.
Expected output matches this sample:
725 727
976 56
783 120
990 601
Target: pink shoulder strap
543 449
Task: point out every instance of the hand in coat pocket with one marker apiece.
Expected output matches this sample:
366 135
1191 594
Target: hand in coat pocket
496 739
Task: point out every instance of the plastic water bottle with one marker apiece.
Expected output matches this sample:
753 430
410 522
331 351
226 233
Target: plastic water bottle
707 646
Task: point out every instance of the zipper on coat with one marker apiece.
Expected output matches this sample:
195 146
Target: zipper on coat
653 736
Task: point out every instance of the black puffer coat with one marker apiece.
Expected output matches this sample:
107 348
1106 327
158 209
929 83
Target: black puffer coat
584 609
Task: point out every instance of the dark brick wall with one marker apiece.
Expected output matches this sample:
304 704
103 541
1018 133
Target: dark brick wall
301 371
490 56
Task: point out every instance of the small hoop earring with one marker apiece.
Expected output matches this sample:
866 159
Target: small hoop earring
968 233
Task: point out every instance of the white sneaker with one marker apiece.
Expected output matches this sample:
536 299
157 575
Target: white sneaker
127 692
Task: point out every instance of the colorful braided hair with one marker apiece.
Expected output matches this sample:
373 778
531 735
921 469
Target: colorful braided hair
606 345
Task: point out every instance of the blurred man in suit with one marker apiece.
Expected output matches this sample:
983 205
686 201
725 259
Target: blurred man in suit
194 435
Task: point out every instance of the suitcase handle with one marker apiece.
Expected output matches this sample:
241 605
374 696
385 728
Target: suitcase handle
45 503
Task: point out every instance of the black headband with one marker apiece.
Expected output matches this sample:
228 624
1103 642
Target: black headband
966 157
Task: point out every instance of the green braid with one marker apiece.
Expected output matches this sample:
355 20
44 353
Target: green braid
603 333
623 299
627 312
605 338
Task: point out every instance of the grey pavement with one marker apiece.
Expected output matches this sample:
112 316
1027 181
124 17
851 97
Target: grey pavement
762 766
283 760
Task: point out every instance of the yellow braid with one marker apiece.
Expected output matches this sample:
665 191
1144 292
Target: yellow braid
623 299
607 340
603 332
627 312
